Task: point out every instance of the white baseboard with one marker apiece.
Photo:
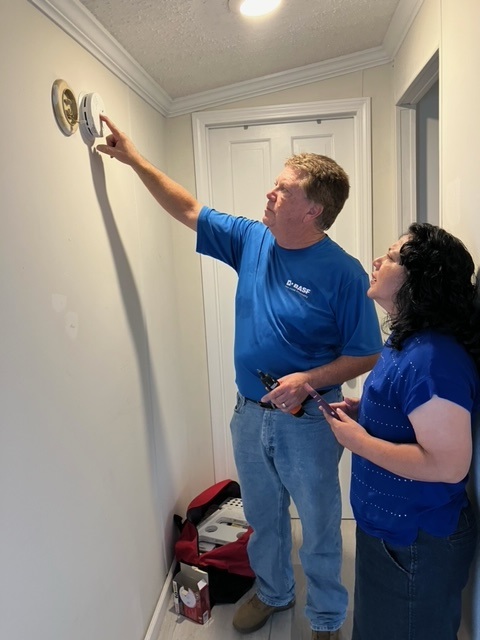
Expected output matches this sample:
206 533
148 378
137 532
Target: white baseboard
161 608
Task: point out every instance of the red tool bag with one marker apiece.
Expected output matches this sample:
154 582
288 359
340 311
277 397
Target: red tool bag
228 567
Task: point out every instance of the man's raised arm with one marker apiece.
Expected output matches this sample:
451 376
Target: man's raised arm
176 200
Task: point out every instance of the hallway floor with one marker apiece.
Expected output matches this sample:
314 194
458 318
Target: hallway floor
287 625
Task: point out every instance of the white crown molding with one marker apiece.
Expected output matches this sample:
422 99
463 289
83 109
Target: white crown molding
84 28
401 22
280 81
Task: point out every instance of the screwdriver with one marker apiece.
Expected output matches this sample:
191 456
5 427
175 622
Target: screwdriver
270 383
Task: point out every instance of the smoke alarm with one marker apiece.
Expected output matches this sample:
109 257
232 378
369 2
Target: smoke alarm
90 106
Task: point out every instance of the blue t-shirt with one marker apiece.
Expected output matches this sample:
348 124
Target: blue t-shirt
386 505
295 309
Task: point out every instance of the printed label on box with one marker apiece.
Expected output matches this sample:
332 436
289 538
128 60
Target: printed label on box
191 593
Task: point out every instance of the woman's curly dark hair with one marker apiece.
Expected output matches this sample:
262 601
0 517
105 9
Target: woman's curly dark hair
440 289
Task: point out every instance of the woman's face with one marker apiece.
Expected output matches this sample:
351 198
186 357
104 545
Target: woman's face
387 277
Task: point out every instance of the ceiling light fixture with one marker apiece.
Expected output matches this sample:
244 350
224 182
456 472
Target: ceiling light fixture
254 7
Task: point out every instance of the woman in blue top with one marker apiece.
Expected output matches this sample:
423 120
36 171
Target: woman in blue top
412 443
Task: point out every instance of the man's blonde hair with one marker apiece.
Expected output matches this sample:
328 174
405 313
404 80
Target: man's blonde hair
324 182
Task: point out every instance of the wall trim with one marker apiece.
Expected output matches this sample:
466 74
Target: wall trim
73 18
423 82
402 20
406 168
153 631
281 81
407 144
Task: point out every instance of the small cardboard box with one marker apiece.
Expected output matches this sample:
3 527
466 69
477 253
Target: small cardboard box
191 595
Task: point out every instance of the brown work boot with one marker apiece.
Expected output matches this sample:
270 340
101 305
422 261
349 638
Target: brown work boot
254 614
326 635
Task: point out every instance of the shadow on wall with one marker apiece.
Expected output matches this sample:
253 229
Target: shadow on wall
136 321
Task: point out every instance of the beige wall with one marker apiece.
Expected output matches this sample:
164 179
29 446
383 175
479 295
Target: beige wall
460 133
460 194
104 395
421 42
104 420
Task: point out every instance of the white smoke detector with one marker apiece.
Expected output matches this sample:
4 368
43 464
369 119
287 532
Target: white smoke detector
90 106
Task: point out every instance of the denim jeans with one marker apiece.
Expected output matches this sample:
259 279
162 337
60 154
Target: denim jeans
414 592
279 456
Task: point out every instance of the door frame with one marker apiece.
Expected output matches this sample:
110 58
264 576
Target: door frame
406 137
357 108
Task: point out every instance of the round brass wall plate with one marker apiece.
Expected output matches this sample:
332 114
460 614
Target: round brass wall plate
65 107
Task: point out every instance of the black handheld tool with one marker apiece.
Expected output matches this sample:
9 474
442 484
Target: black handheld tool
270 383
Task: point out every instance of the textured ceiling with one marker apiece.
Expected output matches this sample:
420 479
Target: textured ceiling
191 46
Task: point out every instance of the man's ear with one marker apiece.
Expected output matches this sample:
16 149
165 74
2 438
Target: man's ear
315 211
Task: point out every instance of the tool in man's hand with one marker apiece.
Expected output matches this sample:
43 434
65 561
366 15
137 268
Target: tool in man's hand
270 383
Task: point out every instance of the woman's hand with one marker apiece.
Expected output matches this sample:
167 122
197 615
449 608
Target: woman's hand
347 431
442 452
349 406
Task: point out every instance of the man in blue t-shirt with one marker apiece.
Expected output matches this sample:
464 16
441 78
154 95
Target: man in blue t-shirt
302 316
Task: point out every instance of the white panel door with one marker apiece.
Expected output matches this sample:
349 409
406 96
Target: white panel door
243 164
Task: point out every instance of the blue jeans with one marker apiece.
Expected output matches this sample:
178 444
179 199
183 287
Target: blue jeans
278 456
414 592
